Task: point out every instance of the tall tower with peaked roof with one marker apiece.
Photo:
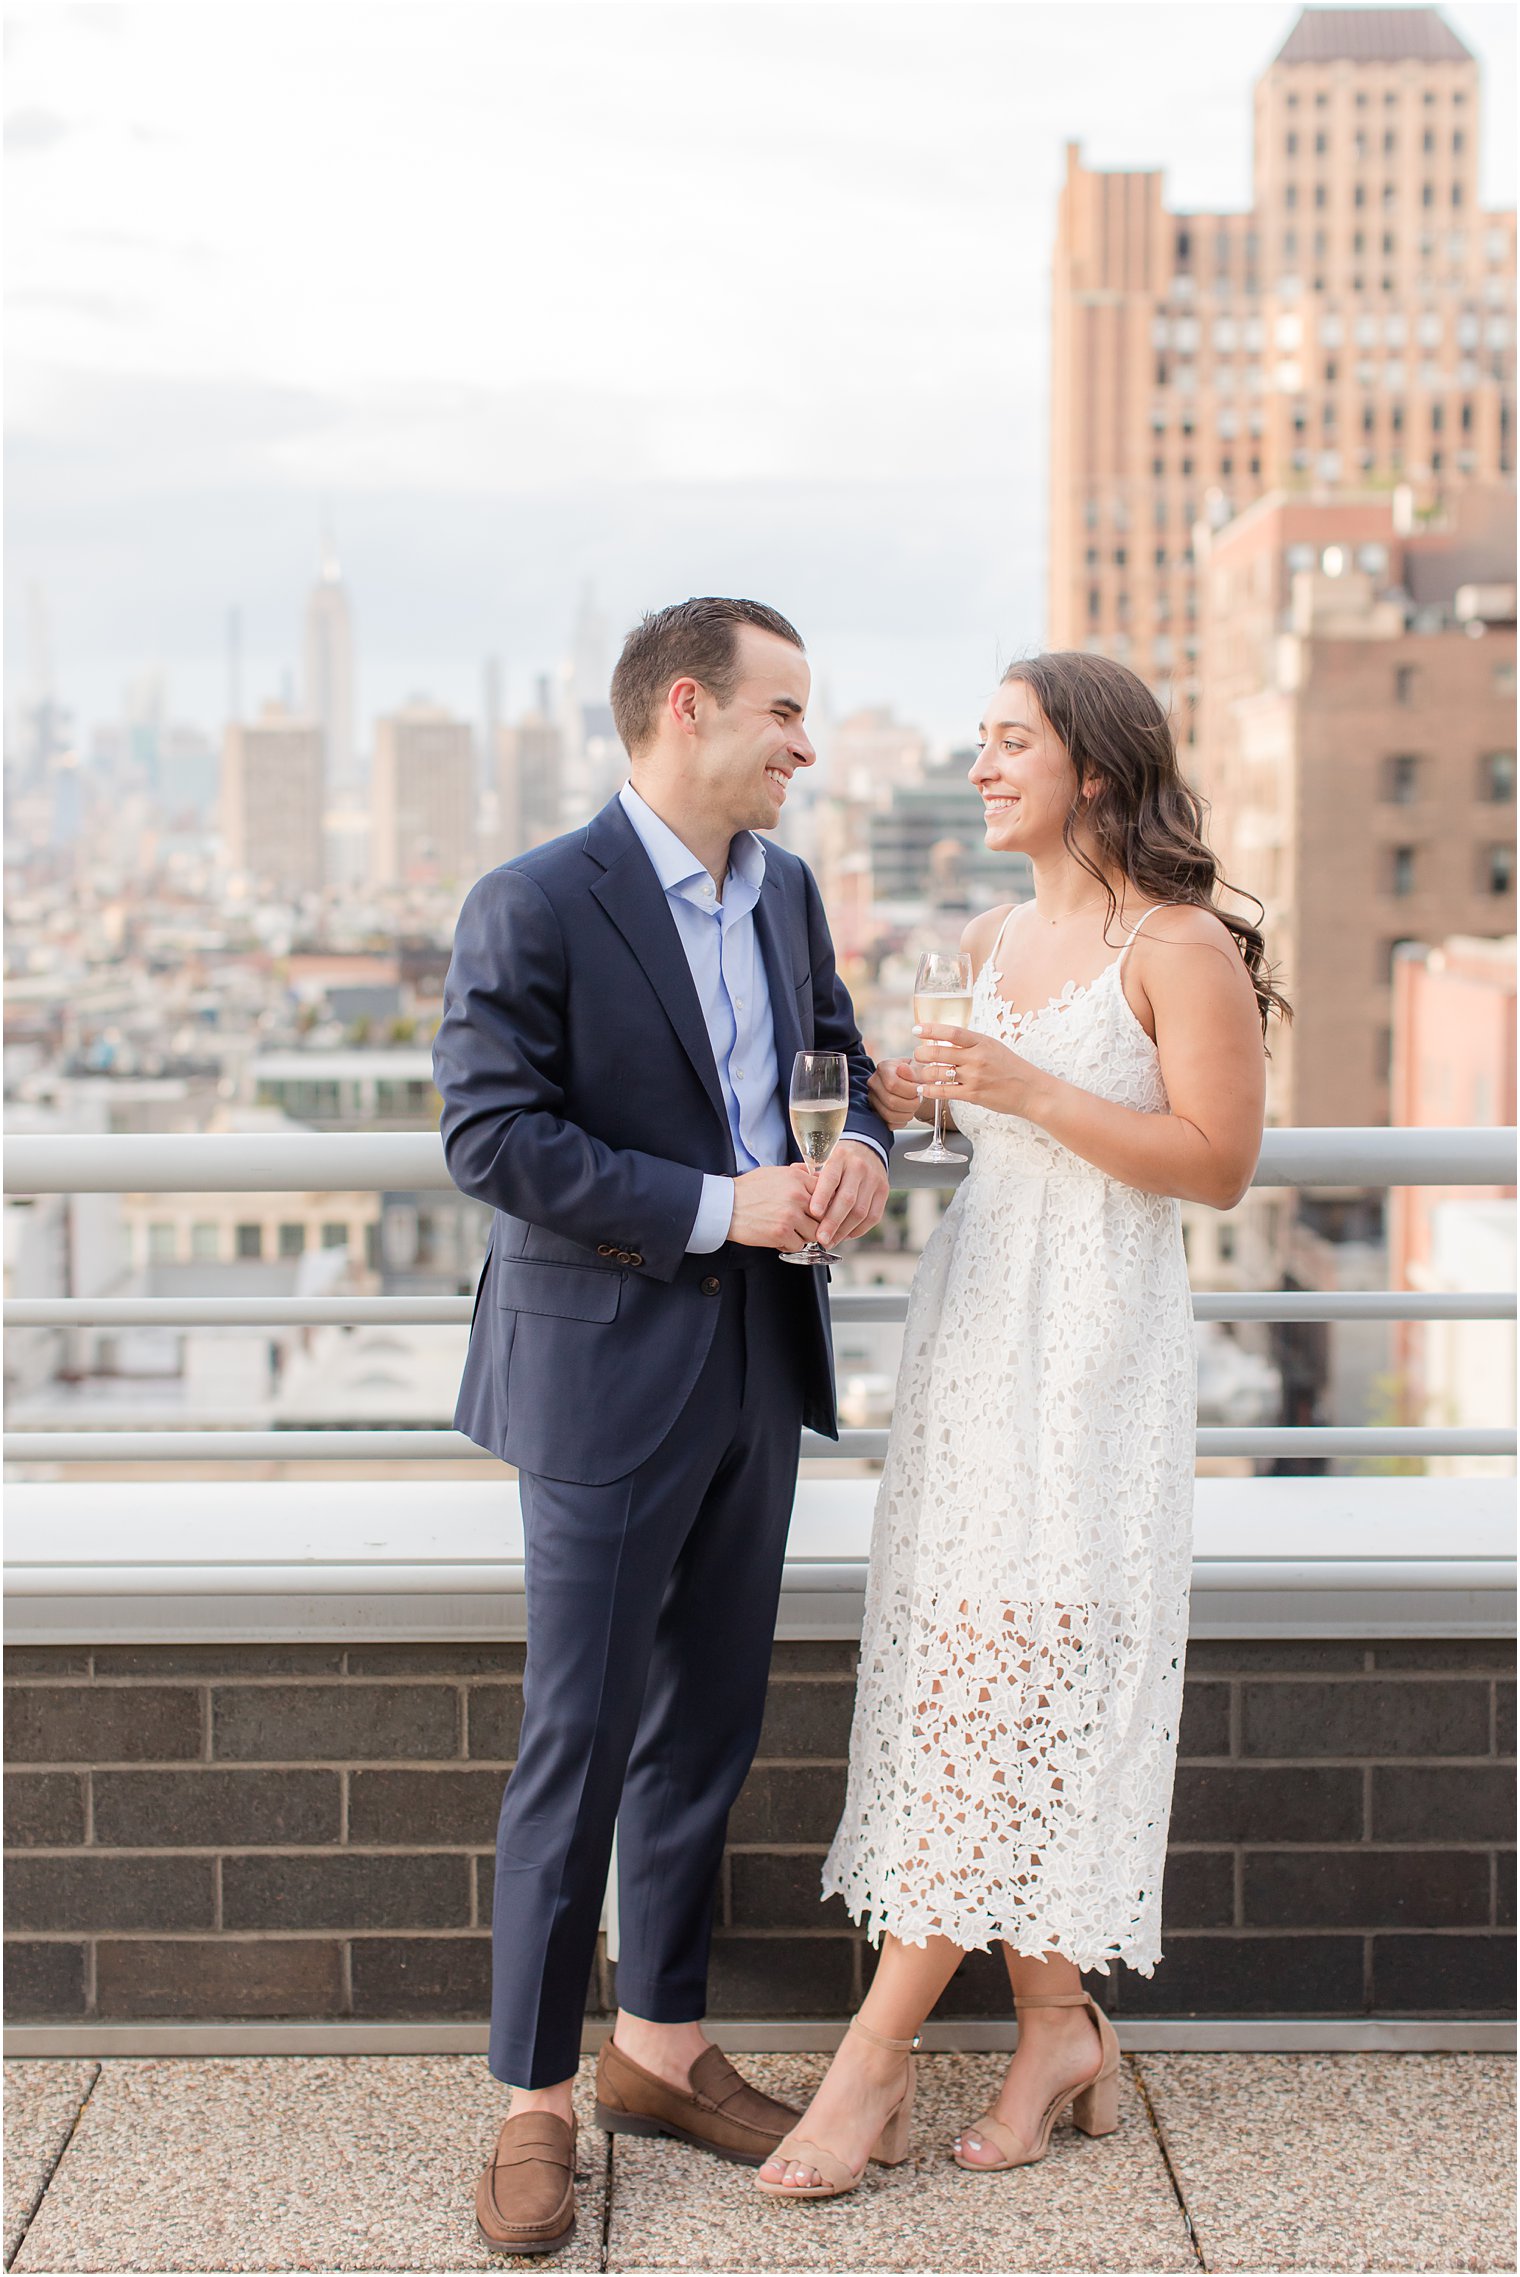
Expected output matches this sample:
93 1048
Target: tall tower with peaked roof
327 692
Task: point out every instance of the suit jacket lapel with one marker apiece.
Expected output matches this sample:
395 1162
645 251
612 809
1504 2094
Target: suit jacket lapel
771 925
635 900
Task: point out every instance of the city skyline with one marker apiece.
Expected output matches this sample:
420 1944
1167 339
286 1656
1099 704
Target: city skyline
822 422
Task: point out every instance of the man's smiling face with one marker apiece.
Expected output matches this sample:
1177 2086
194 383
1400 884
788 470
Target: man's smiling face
751 746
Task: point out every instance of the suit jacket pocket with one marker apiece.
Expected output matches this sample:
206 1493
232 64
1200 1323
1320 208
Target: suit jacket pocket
562 1292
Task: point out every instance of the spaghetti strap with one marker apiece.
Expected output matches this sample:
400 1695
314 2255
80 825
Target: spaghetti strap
1134 932
992 960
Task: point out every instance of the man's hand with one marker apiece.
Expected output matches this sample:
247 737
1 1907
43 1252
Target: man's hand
850 1194
894 1094
771 1207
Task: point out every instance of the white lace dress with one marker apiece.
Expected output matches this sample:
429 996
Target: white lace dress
1015 1732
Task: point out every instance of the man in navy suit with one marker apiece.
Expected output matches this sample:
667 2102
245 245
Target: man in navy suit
620 1020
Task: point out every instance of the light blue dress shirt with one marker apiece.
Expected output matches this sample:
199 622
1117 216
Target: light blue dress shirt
728 969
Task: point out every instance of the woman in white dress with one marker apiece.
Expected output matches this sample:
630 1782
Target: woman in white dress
1015 1727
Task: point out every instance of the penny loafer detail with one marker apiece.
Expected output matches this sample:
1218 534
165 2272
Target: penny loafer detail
525 2199
719 2111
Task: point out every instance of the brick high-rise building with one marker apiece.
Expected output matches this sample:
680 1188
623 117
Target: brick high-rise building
271 800
1358 744
1355 327
423 798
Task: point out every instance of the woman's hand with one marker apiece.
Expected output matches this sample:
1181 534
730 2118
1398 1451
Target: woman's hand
893 1092
961 1063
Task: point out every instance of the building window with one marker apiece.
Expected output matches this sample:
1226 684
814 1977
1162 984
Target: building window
1498 778
1401 870
1320 195
249 1241
162 1245
1404 680
1428 194
1094 602
205 1242
1320 145
1456 193
1290 196
1121 558
1401 779
334 1234
1499 876
1390 143
1224 1242
1382 1054
1428 140
292 1241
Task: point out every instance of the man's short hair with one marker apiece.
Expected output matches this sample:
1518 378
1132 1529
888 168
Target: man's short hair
695 640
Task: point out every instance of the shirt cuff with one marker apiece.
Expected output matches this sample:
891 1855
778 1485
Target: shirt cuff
714 1216
858 1138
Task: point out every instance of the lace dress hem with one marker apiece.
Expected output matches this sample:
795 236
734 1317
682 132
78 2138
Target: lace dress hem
1031 1941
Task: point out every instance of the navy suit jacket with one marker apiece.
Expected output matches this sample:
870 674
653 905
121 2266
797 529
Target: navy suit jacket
582 1101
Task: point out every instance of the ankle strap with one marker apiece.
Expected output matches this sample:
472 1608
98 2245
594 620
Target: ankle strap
879 2039
1050 2000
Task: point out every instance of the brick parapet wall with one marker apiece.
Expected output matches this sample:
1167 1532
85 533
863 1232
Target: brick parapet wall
306 1831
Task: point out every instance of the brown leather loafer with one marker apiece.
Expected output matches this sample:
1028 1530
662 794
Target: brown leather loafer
718 2111
525 2200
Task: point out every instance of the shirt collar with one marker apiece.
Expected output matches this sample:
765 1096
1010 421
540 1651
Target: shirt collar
675 865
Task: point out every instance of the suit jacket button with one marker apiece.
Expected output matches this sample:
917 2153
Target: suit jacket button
625 1256
605 1249
634 1258
711 1285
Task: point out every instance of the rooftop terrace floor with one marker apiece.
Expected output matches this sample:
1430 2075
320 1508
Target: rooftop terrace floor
1221 2162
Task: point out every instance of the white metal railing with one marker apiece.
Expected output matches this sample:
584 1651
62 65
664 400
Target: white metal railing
413 1162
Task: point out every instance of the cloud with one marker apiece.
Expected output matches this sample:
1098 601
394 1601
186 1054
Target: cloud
32 130
106 308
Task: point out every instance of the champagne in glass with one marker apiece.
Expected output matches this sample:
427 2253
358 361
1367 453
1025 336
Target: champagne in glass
941 999
820 1099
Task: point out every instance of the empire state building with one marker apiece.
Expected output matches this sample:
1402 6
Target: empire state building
328 693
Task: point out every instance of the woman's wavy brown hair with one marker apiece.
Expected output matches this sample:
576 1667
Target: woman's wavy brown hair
1147 822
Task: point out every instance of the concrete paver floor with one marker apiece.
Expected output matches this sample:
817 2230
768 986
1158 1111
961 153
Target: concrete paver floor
42 2102
1088 2205
1378 2162
1342 2162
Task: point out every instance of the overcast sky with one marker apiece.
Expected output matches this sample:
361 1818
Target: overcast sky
726 296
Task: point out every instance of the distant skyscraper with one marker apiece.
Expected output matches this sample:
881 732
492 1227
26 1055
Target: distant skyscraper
1354 328
591 651
272 800
490 695
328 690
530 779
423 797
44 728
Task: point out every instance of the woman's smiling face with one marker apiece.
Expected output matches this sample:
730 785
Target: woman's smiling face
1022 771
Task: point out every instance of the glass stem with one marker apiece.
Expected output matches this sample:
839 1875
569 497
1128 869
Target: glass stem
939 1122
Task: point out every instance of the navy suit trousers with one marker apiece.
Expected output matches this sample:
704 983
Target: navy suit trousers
651 1607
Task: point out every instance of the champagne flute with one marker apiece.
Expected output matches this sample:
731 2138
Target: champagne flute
820 1100
941 999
